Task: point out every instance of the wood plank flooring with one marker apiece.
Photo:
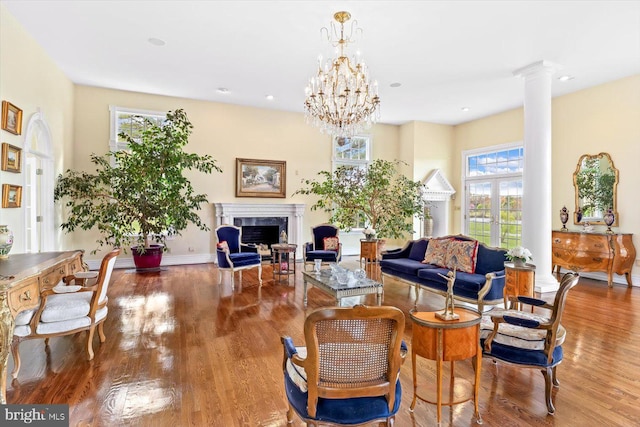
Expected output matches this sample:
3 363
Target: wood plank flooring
184 350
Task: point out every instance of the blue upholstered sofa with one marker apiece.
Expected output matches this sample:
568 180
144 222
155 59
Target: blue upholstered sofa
484 285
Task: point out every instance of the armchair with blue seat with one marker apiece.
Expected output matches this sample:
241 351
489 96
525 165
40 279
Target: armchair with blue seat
349 372
327 251
529 340
235 256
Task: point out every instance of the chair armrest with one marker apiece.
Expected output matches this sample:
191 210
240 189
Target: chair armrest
392 254
532 301
525 323
403 350
306 247
289 348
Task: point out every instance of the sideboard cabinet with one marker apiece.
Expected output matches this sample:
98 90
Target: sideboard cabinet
579 251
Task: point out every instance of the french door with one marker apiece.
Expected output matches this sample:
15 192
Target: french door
494 211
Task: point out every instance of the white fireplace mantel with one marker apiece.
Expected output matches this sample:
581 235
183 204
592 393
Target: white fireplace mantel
227 212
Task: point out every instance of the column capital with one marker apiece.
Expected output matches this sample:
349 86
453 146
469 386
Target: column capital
537 68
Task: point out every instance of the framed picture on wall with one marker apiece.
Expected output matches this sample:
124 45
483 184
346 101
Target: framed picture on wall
260 178
11 118
11 158
11 196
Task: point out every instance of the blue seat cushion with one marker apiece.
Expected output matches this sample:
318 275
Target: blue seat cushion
522 356
404 265
241 259
466 284
342 411
326 256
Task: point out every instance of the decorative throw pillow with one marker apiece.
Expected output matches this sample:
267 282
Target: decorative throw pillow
224 246
331 243
462 255
436 253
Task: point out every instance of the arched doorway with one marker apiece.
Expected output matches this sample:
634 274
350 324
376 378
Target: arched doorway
39 179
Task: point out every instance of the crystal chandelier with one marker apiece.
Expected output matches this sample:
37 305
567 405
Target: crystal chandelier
340 99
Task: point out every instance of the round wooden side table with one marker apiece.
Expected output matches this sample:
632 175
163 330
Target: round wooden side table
281 262
447 340
519 280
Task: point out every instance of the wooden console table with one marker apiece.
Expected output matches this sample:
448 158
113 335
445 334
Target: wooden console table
580 251
22 278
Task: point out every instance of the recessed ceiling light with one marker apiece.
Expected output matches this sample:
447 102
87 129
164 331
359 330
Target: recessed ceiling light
156 42
396 84
566 78
465 108
222 90
269 97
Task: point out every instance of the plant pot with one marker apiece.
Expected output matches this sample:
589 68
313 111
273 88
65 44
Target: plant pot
148 260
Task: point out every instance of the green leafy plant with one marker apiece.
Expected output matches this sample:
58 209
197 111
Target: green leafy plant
386 199
140 194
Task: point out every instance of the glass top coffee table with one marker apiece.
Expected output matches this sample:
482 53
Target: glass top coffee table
329 285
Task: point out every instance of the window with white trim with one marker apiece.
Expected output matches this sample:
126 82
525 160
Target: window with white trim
130 121
353 152
493 193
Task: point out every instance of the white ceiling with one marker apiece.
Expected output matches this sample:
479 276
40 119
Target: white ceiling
447 55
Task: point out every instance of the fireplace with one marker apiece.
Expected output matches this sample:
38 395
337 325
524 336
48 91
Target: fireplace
227 213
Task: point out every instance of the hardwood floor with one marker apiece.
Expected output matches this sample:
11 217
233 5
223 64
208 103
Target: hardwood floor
183 350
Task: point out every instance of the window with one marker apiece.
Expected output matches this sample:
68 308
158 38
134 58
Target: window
130 121
493 192
352 152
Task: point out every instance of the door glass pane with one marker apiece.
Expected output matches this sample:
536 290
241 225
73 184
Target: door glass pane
479 211
510 213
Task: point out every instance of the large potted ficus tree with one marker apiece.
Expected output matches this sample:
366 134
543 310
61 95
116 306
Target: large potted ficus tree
138 196
386 199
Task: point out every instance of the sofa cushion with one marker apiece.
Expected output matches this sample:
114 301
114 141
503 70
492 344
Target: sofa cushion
418 249
436 252
462 255
404 265
466 284
325 256
241 259
490 259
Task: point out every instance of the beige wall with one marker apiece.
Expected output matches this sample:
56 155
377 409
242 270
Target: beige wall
226 132
30 80
605 118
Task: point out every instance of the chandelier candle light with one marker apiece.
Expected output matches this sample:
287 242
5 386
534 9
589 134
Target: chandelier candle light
340 99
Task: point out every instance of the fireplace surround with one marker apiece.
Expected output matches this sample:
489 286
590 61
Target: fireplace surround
258 214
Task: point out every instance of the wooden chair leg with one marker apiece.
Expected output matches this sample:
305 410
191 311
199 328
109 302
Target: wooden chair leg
90 343
46 341
290 415
15 352
556 383
103 337
548 385
260 274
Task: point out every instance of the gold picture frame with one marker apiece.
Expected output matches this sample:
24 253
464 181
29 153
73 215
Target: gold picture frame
11 158
11 196
261 178
11 118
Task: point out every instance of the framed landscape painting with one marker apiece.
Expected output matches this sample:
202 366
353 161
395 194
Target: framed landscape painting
260 178
11 196
11 118
11 158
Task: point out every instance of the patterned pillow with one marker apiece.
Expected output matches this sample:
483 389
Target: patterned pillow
224 246
462 255
331 243
436 253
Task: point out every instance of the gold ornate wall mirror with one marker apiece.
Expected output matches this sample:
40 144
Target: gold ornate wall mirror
596 183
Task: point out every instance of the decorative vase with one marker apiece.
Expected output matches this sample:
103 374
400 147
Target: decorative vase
149 260
428 227
609 218
519 262
370 236
6 241
564 217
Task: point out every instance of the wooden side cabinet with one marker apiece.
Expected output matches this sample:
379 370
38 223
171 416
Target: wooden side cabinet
368 251
519 280
579 251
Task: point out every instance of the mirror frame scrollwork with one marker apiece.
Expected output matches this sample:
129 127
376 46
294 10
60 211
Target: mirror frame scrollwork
598 220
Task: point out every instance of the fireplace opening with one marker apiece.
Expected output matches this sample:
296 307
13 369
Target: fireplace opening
262 231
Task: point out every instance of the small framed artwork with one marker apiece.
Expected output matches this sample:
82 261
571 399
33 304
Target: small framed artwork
11 196
11 118
11 158
260 178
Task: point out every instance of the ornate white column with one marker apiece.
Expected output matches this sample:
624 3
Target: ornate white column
536 203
